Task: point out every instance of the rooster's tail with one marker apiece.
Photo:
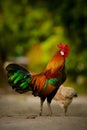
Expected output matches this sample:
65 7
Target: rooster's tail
19 78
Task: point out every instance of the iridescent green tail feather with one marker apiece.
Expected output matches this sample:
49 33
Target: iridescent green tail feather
19 78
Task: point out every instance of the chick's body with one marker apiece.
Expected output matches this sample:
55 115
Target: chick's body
64 97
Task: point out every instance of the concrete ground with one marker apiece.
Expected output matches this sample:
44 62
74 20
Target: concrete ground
21 112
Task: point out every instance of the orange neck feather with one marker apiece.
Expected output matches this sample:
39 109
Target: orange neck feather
56 63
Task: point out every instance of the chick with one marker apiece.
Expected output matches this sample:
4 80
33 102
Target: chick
64 97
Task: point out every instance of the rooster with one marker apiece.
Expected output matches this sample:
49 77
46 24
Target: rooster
64 97
44 84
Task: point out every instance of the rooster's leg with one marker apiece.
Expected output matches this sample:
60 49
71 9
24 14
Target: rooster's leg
49 108
41 106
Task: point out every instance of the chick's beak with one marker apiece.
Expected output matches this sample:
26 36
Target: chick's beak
76 95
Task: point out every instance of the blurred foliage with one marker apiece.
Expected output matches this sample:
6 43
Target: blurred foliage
46 50
34 28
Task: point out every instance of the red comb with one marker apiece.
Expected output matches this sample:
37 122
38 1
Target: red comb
66 47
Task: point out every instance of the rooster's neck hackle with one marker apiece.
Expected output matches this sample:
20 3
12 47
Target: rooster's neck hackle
58 57
56 63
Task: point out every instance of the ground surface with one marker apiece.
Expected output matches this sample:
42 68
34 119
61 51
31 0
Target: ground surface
21 112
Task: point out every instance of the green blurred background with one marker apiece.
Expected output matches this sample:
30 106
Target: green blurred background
30 31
